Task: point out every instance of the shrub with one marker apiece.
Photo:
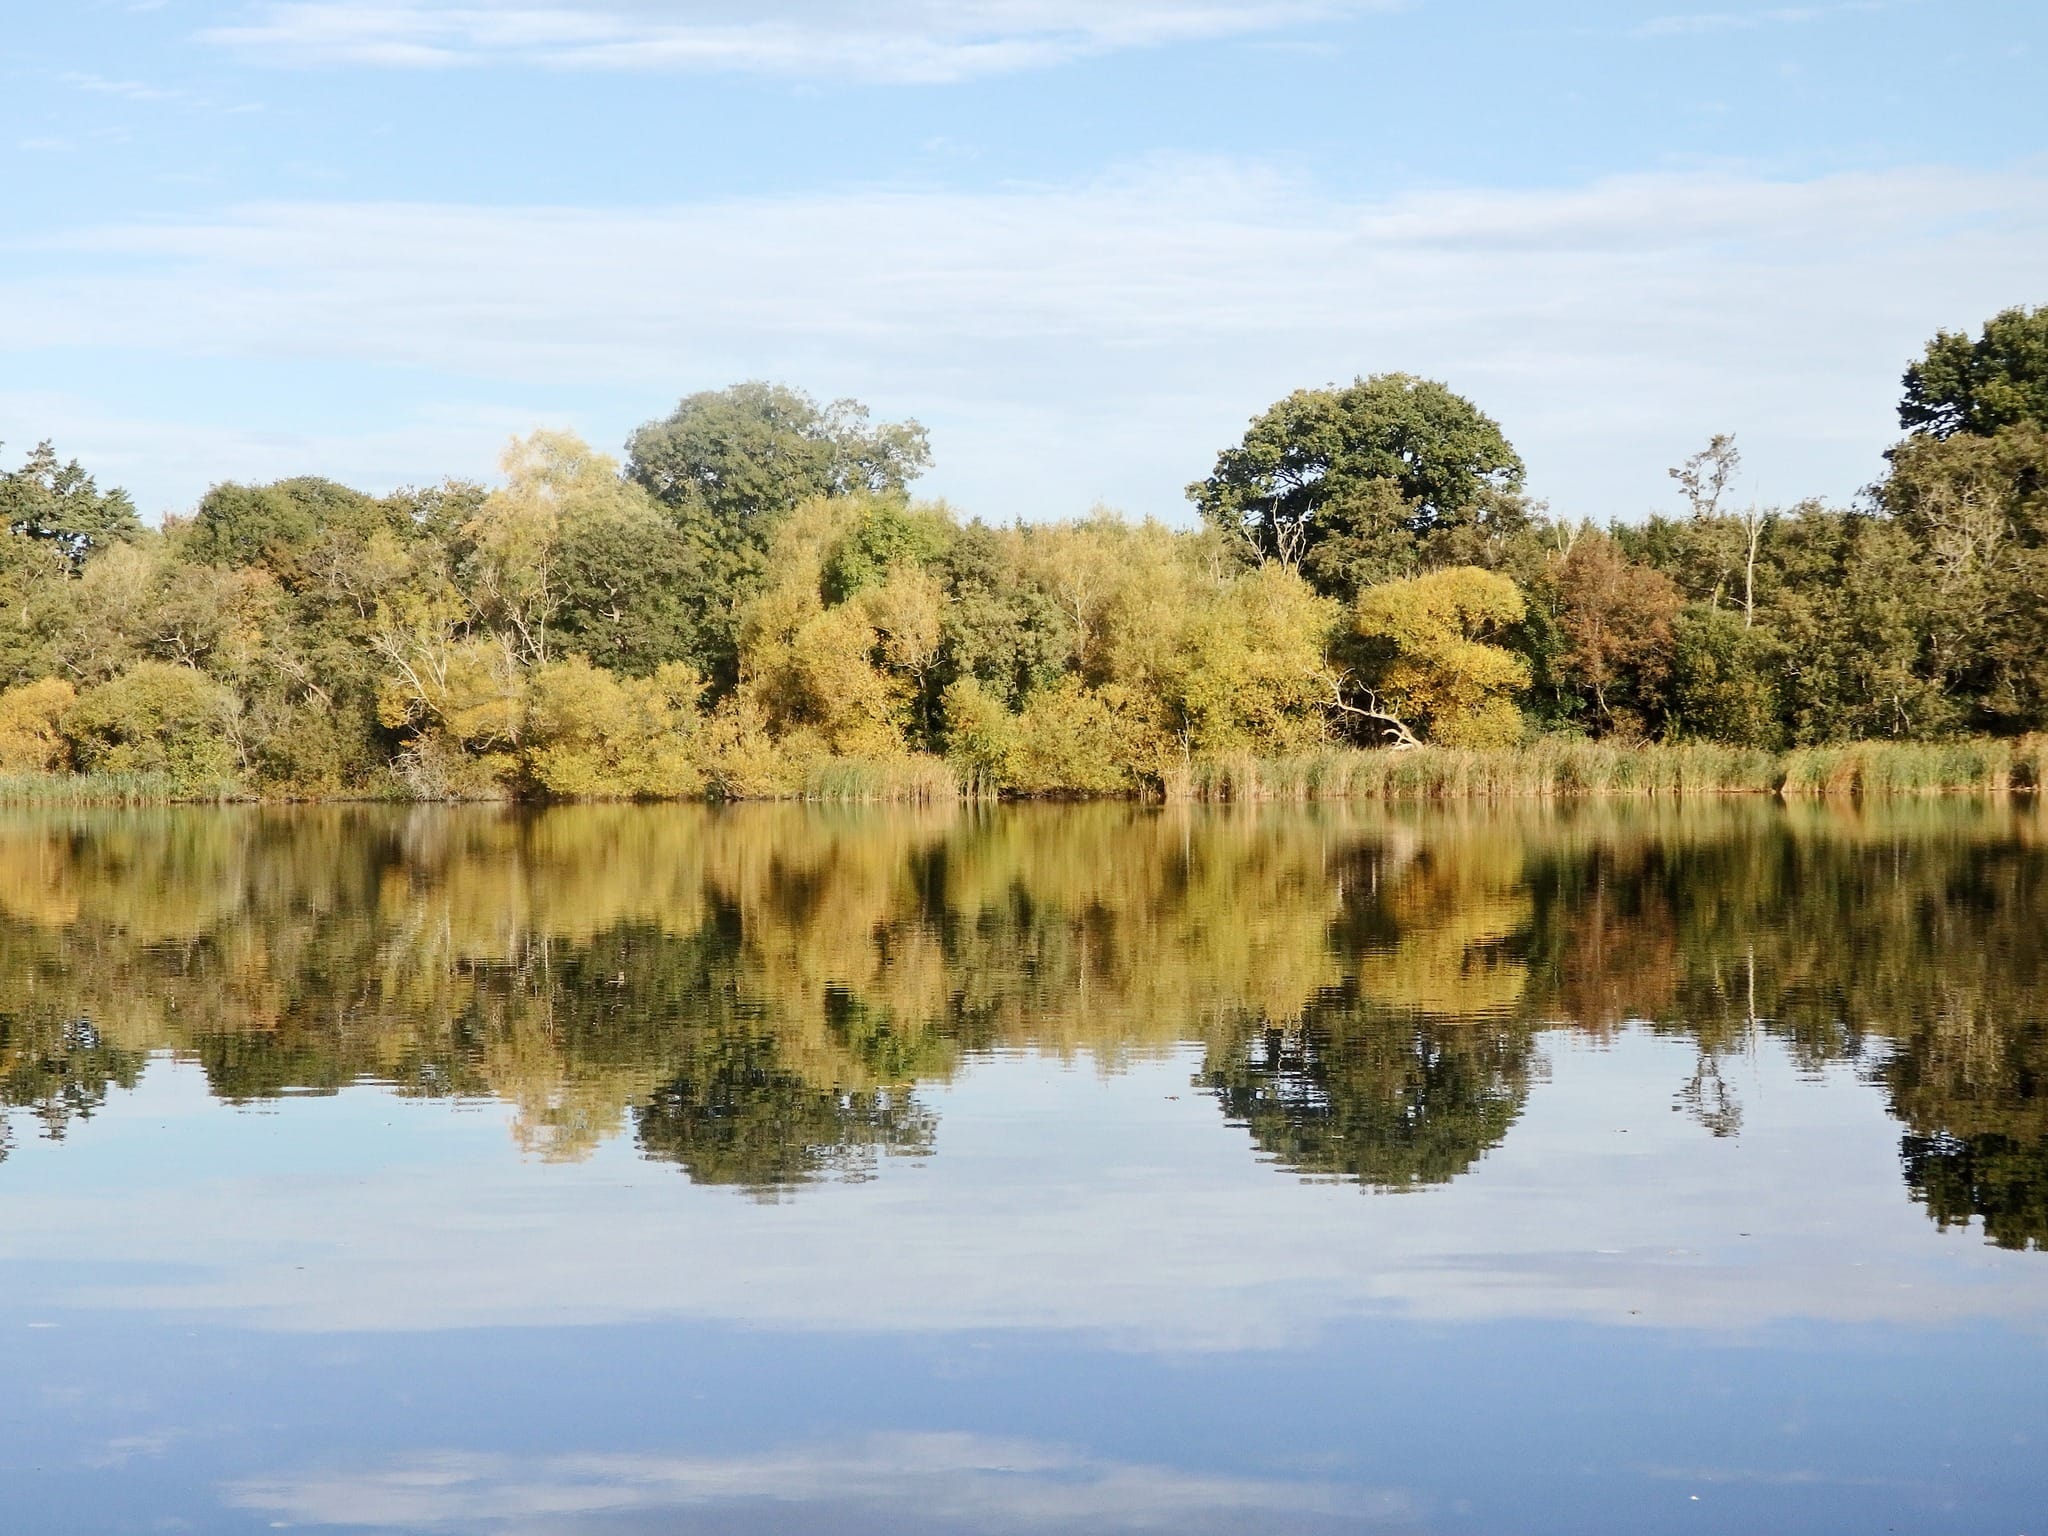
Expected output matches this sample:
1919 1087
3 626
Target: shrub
592 735
156 718
1071 739
31 727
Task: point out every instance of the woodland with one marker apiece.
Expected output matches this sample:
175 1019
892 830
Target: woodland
752 604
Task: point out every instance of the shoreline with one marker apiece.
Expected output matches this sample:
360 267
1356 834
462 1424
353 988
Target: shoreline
1545 770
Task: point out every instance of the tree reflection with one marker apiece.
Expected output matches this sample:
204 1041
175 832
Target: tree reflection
757 993
738 1115
60 1070
1356 1093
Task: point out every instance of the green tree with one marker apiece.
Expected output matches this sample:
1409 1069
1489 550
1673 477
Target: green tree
635 596
1343 482
1853 612
1998 380
60 505
1003 629
730 464
1977 510
1724 683
290 528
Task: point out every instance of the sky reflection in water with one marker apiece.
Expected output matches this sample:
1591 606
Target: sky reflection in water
1101 1168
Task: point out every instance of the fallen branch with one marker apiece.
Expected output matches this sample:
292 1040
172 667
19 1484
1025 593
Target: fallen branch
1399 737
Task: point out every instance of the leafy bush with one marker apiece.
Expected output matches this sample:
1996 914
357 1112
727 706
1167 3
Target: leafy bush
157 718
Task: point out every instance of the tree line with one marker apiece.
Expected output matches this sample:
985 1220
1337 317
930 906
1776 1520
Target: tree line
753 595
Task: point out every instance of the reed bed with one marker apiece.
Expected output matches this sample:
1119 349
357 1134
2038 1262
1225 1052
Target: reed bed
1546 769
1564 767
94 789
1917 767
908 780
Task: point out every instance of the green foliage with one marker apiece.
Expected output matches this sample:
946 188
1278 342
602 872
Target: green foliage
886 535
1998 380
729 465
1976 508
290 528
756 450
60 505
156 718
1852 613
1004 628
753 607
634 592
1344 482
1724 683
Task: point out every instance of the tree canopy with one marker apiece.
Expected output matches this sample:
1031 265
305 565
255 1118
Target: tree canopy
748 454
60 505
1345 483
1979 386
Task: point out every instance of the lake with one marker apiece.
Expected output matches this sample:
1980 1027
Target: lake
1582 1168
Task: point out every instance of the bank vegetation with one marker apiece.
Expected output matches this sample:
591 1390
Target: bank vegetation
753 605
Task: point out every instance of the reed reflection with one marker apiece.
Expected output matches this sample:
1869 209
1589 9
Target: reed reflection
758 994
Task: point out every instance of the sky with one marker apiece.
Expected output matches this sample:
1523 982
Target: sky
1083 241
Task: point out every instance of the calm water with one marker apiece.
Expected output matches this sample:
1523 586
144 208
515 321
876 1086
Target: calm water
1093 1169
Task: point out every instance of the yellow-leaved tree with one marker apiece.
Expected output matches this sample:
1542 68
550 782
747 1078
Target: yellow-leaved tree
32 726
593 735
1430 661
510 551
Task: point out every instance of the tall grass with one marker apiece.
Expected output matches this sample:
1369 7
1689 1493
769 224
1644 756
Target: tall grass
1905 768
93 789
1562 767
845 780
1553 768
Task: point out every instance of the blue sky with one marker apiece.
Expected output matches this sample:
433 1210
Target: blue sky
1083 242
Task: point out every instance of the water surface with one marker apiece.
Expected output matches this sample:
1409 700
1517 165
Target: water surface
617 1170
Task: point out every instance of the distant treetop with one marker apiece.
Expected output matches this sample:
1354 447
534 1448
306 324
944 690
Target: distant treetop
756 450
60 504
1977 387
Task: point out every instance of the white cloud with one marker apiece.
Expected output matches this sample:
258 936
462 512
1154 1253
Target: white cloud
169 464
888 40
143 92
1105 339
130 90
955 1481
1697 23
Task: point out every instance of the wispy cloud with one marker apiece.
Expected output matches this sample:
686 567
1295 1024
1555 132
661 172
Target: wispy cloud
128 90
960 1481
1105 338
888 40
1699 22
145 92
